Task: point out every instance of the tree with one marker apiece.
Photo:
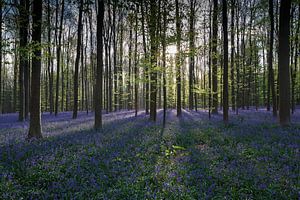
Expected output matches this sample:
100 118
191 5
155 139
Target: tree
79 30
99 69
35 130
49 58
271 84
225 67
192 53
283 62
153 73
164 30
178 58
145 58
24 22
136 76
214 58
1 19
58 52
233 98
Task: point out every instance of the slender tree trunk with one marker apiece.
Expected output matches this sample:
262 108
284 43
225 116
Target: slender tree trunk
120 67
145 60
75 105
24 21
49 58
92 58
178 58
67 69
210 63
192 53
58 51
225 68
270 59
214 58
237 100
1 19
296 56
129 89
99 70
115 57
164 62
232 77
82 74
283 63
15 70
136 75
35 129
153 73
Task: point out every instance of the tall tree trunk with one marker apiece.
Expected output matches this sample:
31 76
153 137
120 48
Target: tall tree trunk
270 59
99 70
115 56
67 69
296 56
82 74
49 58
178 58
26 65
233 102
214 58
164 45
110 81
129 89
283 63
120 67
15 70
192 53
210 63
153 73
145 59
35 129
136 75
58 50
225 67
237 100
75 105
24 21
1 19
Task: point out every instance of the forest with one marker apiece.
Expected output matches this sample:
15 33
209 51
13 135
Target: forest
149 99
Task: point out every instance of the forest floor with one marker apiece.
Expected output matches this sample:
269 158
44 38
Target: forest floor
132 158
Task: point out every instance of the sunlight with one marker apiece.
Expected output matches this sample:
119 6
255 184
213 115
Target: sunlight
171 49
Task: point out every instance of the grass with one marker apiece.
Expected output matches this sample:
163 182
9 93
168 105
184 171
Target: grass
132 158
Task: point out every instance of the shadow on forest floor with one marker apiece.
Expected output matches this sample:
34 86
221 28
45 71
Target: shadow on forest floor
132 158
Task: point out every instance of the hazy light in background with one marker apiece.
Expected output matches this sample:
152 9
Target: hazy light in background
171 49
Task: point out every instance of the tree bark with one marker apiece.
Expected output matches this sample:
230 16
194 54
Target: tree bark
178 58
153 73
24 22
145 59
270 59
225 60
192 53
58 56
75 104
164 30
232 77
35 130
99 70
1 19
136 75
214 58
283 63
